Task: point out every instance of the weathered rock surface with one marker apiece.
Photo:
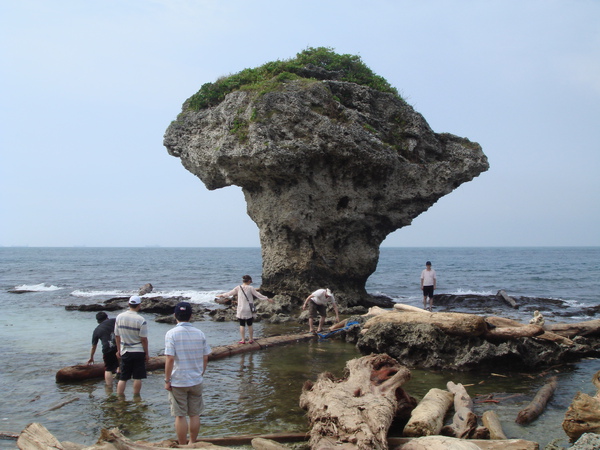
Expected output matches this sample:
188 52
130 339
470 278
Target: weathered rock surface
421 345
328 170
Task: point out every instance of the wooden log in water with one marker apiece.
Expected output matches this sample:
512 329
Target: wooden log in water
82 372
464 422
35 437
358 410
492 422
502 295
538 404
428 417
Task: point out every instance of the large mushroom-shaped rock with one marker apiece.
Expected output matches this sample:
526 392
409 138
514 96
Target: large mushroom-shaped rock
328 167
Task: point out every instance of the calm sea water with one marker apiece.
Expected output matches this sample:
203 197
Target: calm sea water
253 393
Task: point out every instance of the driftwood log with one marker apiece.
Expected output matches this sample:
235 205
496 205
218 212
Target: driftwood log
35 437
82 372
428 417
502 295
445 442
586 328
502 322
583 415
508 333
358 410
457 324
538 404
492 422
464 422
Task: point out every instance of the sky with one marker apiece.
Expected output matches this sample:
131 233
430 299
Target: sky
89 87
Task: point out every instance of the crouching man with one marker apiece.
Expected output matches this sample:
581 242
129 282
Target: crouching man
186 352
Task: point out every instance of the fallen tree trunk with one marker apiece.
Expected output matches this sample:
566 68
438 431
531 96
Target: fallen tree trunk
35 437
508 333
457 324
428 417
357 411
492 422
583 415
546 335
586 328
403 307
537 405
502 295
82 372
444 442
464 421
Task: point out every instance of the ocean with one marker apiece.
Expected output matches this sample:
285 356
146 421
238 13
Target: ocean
258 392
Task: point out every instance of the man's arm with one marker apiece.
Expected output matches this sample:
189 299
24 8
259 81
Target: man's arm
306 301
337 313
118 342
145 345
205 364
169 363
91 360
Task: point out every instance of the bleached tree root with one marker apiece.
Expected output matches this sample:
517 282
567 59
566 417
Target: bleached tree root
583 415
356 412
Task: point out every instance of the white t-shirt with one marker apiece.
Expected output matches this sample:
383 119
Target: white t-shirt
428 277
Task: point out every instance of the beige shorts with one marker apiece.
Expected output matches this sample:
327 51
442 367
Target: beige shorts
186 401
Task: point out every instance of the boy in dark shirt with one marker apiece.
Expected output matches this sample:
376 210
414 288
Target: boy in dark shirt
105 333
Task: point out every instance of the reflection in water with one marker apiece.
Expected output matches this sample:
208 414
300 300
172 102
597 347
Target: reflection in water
130 416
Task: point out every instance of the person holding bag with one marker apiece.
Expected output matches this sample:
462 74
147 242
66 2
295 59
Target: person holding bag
245 306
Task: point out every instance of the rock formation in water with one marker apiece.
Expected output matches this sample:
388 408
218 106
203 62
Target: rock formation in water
328 168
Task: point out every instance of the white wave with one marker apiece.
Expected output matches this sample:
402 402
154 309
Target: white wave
200 297
461 291
42 287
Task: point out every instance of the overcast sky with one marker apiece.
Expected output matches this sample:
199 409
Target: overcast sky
89 87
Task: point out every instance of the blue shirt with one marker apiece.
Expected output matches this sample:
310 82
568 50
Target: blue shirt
188 345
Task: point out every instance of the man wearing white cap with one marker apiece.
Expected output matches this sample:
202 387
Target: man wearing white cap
317 302
131 334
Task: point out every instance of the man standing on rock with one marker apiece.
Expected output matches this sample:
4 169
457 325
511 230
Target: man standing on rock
186 352
105 333
131 334
428 283
317 302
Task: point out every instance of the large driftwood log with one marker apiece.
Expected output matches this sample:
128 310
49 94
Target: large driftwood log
508 333
546 335
357 411
458 324
586 328
444 442
583 415
492 422
35 437
537 405
464 421
85 372
428 417
403 307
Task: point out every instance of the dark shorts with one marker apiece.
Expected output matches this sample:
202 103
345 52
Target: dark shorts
248 322
133 365
313 308
111 362
428 291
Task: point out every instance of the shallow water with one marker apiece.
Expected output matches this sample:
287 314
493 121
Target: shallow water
252 393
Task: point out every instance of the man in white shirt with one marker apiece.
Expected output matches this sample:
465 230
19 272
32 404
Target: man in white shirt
428 283
317 303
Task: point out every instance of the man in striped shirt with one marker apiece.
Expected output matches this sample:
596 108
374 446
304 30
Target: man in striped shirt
131 334
186 352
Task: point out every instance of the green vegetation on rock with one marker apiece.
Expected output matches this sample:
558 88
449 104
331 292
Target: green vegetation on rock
322 60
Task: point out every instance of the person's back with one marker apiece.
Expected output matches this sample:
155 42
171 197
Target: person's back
188 345
131 333
105 333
